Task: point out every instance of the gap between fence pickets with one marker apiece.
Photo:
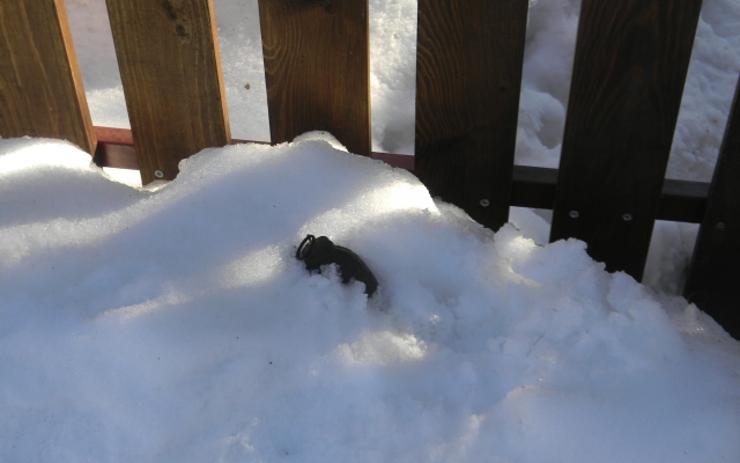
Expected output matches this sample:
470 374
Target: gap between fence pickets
680 200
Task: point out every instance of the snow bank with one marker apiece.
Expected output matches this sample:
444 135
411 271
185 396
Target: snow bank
176 325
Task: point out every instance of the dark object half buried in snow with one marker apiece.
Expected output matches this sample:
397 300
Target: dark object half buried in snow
317 252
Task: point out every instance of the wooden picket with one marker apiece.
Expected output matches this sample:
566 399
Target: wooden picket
169 62
468 78
41 92
630 65
317 69
714 271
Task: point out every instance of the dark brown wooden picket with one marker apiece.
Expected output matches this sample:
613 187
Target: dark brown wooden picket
715 270
629 71
468 78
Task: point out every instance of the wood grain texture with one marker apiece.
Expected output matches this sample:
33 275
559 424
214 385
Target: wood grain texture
629 71
468 77
317 69
169 60
41 92
714 274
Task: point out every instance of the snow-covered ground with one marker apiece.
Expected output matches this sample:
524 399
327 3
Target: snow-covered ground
176 325
173 324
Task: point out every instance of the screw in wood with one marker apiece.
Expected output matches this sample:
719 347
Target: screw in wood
158 173
484 202
573 214
627 217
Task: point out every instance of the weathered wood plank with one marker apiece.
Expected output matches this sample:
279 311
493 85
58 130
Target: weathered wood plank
629 71
171 73
41 92
714 274
317 69
468 77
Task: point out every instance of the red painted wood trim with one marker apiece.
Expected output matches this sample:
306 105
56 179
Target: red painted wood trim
114 135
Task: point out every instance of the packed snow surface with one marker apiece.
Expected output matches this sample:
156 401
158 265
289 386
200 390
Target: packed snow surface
175 325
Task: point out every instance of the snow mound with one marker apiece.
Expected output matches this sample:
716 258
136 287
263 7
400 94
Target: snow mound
177 325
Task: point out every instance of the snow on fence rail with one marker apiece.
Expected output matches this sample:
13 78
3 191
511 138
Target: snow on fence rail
629 71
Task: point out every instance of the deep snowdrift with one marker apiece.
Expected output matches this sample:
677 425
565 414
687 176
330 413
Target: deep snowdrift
175 325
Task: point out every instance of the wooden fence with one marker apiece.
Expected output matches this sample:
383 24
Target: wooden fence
630 66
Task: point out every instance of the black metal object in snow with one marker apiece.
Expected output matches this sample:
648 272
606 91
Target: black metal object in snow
317 252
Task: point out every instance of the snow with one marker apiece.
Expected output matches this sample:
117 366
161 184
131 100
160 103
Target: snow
176 325
173 323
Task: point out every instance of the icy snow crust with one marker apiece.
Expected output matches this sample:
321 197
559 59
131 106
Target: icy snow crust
176 326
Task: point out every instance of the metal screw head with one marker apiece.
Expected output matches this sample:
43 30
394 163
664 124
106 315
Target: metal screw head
627 217
574 214
720 226
158 173
484 202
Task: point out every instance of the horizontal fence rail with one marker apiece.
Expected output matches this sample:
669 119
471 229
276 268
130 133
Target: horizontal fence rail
629 71
534 187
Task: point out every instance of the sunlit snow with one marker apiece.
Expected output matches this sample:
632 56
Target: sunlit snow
177 325
174 324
